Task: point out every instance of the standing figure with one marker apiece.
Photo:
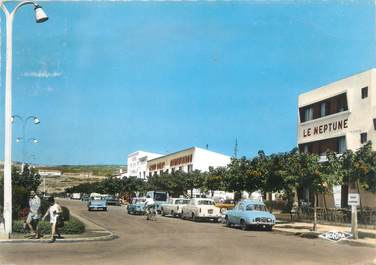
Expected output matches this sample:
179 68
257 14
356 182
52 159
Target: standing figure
33 217
55 212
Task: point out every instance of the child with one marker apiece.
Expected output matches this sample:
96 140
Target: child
54 211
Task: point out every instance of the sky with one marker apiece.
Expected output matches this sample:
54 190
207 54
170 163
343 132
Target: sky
109 78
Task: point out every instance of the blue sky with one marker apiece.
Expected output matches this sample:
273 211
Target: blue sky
109 78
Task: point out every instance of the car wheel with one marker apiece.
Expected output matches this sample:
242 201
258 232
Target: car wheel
243 225
173 214
228 224
162 212
105 209
194 218
269 228
182 215
89 209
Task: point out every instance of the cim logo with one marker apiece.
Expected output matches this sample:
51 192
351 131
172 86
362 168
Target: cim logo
335 235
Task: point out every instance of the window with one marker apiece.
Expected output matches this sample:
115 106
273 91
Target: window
190 168
308 114
161 171
363 138
374 124
364 92
342 145
180 168
342 103
173 170
323 109
305 148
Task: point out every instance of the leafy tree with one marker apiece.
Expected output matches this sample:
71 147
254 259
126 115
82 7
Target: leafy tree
235 177
214 179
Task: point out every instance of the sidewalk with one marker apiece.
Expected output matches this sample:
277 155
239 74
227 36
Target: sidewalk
93 232
367 237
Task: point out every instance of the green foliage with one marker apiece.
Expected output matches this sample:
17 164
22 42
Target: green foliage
73 226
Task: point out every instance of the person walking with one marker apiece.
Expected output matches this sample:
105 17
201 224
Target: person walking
55 212
33 217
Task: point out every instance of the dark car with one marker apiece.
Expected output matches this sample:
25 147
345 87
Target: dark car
112 200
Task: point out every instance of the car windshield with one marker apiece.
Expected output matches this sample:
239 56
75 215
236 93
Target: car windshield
139 201
256 207
160 196
181 201
205 202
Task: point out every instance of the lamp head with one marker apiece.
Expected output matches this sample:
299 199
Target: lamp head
36 120
18 140
35 141
40 15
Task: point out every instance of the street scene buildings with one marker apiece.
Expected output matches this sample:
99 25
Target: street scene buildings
339 116
109 108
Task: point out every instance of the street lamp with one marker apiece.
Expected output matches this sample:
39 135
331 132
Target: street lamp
35 120
40 17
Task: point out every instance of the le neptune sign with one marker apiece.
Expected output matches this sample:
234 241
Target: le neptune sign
325 128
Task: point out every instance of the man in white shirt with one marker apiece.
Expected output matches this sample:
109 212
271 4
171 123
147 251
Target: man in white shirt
34 213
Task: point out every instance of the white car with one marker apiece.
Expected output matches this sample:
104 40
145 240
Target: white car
201 208
174 206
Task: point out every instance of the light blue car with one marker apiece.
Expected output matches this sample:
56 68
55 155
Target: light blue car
137 206
97 204
250 213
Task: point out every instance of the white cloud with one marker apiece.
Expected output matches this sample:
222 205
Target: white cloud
42 74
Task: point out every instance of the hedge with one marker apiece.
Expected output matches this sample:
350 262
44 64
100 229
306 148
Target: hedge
73 226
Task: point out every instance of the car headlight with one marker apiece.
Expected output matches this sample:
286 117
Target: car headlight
269 219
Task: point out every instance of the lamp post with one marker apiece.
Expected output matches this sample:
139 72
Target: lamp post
36 121
40 17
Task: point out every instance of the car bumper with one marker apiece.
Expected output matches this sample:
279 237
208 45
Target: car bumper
260 224
209 216
97 207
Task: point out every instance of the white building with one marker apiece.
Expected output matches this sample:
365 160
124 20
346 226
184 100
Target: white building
187 160
137 163
339 116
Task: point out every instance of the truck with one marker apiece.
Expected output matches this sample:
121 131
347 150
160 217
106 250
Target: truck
160 198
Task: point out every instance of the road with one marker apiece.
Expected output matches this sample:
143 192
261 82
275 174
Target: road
170 241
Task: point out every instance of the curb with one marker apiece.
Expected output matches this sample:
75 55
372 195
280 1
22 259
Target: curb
315 235
110 236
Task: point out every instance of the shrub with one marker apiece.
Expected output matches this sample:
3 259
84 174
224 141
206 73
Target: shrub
73 226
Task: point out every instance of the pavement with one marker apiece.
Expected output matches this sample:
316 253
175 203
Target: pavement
367 237
93 232
171 241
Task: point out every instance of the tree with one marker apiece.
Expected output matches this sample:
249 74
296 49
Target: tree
214 179
27 178
235 176
193 180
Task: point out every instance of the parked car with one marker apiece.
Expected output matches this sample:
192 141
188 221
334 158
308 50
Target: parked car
250 213
85 198
174 206
97 204
112 200
201 208
76 196
225 205
137 206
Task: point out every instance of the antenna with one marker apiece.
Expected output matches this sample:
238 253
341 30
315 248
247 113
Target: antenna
236 148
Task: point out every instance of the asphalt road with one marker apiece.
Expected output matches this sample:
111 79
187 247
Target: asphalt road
174 241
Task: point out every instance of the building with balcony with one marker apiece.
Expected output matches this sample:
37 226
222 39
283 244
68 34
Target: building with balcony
137 163
339 116
187 160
